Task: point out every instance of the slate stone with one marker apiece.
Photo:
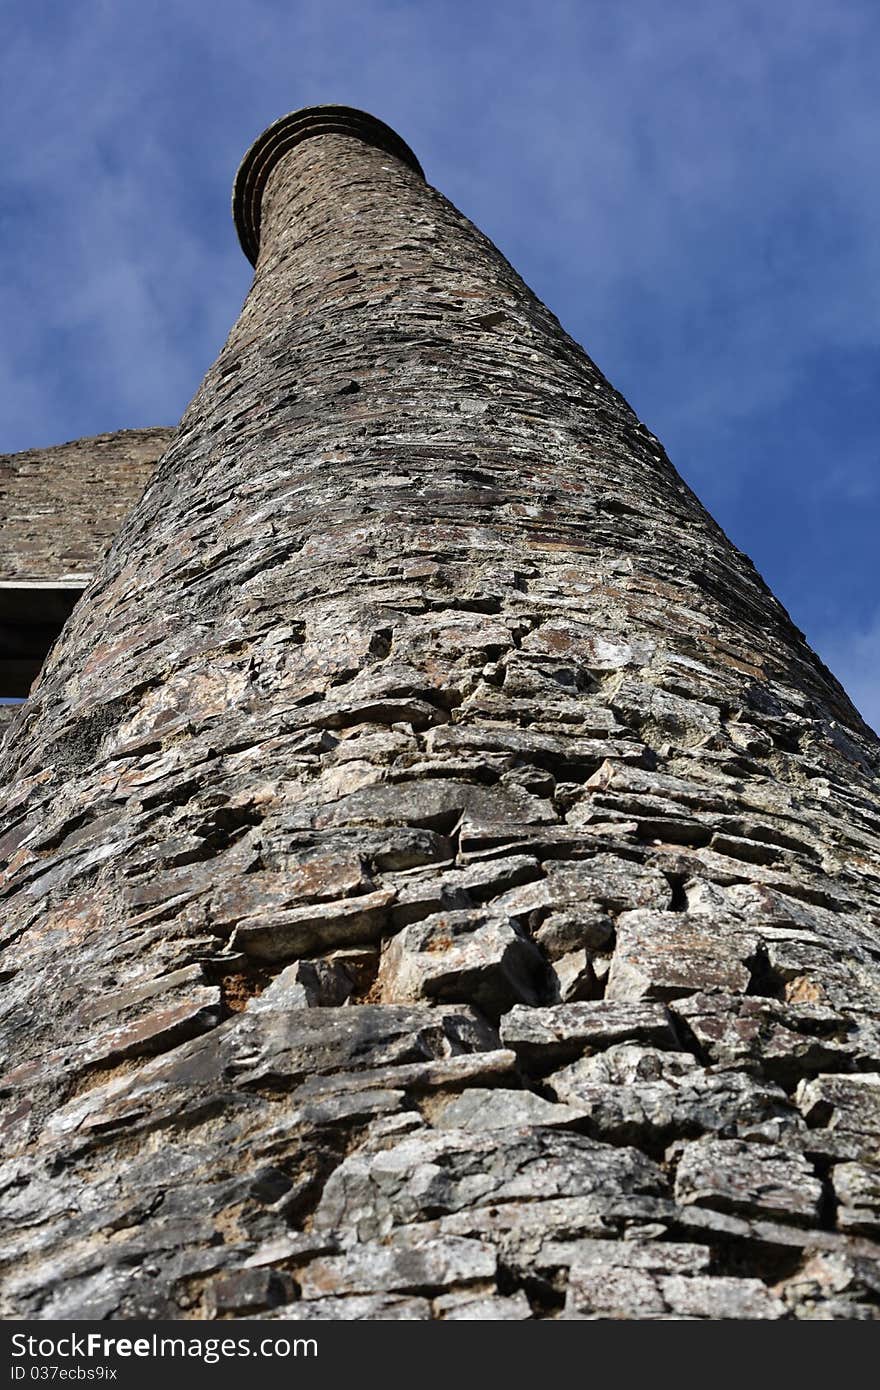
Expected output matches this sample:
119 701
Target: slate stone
857 1192
550 1035
843 1113
784 1041
635 1095
477 1110
296 931
374 1268
758 1179
354 1308
670 955
440 1172
463 956
601 883
637 1294
467 1307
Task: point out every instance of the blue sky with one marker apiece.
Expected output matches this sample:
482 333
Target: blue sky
691 185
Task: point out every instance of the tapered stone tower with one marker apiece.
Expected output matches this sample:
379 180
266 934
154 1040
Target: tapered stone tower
438 879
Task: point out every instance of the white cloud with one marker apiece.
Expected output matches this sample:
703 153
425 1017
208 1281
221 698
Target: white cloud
674 169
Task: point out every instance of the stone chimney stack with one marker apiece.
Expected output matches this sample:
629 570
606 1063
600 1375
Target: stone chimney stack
430 847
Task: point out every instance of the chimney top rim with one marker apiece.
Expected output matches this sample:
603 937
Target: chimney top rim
282 136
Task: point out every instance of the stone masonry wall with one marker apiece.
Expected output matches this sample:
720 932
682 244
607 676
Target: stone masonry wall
439 881
61 507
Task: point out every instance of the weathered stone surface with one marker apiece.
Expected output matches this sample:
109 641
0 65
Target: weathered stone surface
550 1035
436 878
783 1040
857 1191
655 1256
494 1064
612 1292
435 803
464 956
843 1113
578 975
282 935
476 1110
357 1308
760 1179
668 955
421 895
561 933
368 1195
327 981
247 1291
466 1307
835 1286
604 883
63 505
626 1064
280 1046
636 1095
373 1268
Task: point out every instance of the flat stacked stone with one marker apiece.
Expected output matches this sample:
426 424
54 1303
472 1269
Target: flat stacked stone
440 881
60 507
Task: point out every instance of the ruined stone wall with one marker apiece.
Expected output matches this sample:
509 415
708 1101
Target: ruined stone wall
61 507
439 879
